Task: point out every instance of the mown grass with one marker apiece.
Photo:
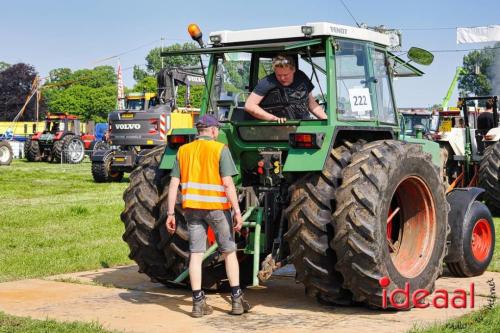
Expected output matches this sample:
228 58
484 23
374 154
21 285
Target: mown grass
482 321
10 324
55 219
495 262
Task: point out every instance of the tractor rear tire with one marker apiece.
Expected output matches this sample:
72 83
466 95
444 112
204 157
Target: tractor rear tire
489 177
391 221
5 153
309 233
32 151
157 253
102 173
476 242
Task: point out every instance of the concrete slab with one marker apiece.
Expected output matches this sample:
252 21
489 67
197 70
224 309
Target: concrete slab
122 299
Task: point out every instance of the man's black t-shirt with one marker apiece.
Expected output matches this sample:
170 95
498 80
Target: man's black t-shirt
296 94
485 122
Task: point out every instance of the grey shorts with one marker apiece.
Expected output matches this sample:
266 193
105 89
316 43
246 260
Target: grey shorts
220 221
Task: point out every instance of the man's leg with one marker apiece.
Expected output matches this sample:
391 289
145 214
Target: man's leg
195 260
197 246
232 268
222 224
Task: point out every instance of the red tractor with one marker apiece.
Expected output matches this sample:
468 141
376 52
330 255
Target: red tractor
59 142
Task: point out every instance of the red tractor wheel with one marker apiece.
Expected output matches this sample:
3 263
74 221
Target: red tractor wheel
474 242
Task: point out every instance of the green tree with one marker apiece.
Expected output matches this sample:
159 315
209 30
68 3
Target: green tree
196 95
147 84
139 74
479 74
153 60
3 65
59 75
88 93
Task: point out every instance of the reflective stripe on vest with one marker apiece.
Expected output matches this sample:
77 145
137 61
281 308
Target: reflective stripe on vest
201 182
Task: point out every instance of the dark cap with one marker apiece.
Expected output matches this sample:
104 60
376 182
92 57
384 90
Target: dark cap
207 121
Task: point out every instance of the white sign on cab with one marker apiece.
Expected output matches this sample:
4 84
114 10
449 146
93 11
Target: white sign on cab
360 101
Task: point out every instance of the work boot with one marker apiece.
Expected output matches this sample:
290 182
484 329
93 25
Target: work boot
201 308
239 305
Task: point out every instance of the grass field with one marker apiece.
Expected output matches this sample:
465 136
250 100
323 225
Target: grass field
9 324
55 219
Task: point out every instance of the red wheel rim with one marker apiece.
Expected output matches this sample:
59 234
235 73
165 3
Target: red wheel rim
481 240
411 226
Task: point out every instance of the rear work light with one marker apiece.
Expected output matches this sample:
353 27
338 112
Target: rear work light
306 140
176 140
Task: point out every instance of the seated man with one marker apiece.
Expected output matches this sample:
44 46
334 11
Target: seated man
293 84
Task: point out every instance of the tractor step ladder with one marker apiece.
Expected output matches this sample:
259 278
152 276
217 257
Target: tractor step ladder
251 219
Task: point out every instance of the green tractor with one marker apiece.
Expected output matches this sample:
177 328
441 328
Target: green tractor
344 200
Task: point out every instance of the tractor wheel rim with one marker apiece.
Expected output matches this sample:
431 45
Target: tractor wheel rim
75 151
481 240
411 227
4 154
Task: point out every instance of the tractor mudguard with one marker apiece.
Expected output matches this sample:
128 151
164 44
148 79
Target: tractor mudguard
460 200
100 155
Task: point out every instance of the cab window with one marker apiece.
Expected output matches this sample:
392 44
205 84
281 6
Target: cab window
354 93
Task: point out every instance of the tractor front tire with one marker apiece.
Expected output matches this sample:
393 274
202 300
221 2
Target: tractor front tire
309 233
391 221
5 153
489 177
476 242
32 151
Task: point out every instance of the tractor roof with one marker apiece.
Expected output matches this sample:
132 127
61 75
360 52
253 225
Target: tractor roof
316 29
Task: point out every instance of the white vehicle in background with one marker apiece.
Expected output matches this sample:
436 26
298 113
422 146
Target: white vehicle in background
472 156
5 153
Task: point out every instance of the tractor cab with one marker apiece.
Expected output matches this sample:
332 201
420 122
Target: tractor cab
60 123
350 68
414 121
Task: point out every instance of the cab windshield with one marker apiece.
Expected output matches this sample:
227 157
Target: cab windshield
237 74
135 104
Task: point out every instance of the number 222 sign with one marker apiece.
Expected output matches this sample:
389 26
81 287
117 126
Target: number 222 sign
360 100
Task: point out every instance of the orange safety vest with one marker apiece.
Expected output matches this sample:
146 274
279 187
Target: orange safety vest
201 182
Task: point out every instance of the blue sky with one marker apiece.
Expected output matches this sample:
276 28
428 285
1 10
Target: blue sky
76 34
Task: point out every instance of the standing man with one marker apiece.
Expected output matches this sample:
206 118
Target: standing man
294 85
204 168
